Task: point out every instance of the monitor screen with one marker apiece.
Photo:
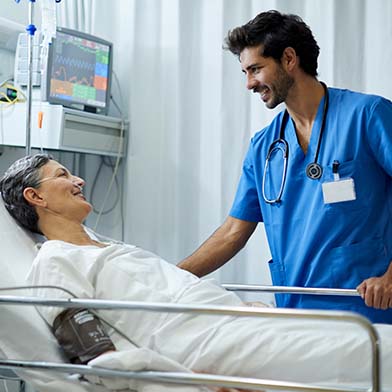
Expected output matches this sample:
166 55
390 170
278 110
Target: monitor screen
79 71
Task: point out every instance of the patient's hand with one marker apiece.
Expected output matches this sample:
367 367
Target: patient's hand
233 390
256 304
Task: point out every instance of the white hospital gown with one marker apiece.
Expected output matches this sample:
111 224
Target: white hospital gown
303 351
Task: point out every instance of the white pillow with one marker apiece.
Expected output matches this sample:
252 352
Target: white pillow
18 249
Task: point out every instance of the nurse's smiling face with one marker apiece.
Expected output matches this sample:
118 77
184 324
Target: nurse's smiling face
265 76
62 193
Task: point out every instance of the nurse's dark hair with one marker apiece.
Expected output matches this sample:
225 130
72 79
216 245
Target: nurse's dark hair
23 173
276 32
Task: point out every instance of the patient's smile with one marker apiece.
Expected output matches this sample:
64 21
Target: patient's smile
79 192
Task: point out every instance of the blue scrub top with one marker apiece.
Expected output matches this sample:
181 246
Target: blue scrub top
314 244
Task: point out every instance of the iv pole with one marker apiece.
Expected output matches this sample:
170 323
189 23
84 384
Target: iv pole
31 29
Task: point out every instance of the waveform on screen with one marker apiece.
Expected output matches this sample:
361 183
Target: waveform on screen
61 74
75 62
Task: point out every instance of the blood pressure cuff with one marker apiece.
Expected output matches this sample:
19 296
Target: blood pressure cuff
81 335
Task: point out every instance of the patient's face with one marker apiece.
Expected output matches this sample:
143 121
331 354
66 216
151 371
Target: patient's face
63 192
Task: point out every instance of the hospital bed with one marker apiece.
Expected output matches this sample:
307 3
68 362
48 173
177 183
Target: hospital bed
28 347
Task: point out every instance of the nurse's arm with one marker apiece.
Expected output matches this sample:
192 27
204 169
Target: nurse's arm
377 291
224 243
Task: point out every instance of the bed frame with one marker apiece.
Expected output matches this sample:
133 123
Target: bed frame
207 379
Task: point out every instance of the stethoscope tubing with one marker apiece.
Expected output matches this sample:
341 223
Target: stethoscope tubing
285 151
313 170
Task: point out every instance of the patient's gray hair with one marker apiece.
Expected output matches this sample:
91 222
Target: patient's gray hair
23 173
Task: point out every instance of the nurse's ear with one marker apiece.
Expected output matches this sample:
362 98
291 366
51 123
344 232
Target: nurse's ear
33 197
289 59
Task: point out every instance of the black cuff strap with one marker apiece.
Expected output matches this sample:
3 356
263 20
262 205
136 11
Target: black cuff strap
81 335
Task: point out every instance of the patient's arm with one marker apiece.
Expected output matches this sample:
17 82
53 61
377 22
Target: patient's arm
81 335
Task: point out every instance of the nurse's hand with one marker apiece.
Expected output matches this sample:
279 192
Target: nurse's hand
377 292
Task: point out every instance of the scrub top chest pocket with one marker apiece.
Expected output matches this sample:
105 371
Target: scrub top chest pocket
368 186
340 189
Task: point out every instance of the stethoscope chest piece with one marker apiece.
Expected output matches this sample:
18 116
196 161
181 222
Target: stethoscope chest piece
314 171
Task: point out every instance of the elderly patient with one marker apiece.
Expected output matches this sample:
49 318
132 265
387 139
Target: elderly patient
44 197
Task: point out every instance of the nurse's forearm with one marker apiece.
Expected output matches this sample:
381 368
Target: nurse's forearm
225 243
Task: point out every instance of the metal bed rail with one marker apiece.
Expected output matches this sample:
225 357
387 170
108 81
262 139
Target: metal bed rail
175 377
201 379
290 289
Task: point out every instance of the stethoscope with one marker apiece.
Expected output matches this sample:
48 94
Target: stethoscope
314 170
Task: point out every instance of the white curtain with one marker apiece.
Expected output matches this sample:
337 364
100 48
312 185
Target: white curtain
191 117
76 14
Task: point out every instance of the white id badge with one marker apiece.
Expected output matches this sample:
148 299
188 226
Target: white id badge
338 191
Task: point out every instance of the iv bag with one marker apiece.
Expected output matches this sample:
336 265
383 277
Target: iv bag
48 27
49 21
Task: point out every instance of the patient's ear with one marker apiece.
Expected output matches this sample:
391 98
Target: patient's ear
33 197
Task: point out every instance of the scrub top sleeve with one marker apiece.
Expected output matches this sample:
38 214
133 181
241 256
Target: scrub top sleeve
246 205
379 133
